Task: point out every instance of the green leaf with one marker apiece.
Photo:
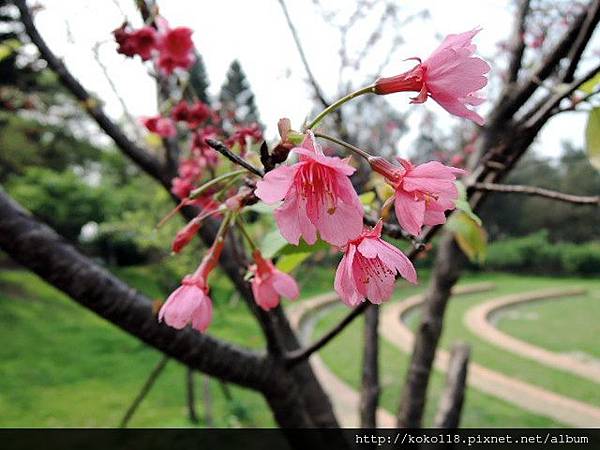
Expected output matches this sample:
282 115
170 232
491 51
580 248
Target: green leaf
470 236
272 243
261 208
590 85
462 203
287 263
303 247
592 137
367 198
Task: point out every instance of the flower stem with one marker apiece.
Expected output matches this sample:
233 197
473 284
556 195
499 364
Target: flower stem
196 192
350 147
338 103
244 232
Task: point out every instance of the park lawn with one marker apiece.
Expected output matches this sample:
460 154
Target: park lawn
508 363
531 322
64 366
480 410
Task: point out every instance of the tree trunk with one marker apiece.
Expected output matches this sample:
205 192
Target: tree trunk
450 407
369 394
446 271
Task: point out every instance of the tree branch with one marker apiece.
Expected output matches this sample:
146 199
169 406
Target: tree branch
539 192
140 156
311 77
585 34
370 389
518 41
224 150
152 377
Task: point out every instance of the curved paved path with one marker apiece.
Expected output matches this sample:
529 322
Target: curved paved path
527 396
478 320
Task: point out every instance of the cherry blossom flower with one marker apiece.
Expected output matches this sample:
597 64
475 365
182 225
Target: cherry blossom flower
138 42
451 76
317 196
190 302
163 126
176 48
422 193
270 284
368 269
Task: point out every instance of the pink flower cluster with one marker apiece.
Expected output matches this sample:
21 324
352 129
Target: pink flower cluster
171 48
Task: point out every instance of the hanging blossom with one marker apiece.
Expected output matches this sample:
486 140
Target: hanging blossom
190 302
368 269
194 115
175 47
269 284
451 76
422 193
244 136
317 196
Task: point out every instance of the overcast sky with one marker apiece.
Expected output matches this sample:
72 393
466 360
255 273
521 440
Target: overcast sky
255 32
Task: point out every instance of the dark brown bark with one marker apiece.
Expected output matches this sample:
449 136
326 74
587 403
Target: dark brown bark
369 393
451 403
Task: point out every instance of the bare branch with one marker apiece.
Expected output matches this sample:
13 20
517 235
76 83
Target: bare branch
450 407
539 192
224 150
309 73
140 156
518 41
587 29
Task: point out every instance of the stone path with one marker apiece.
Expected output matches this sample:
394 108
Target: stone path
532 398
525 395
478 320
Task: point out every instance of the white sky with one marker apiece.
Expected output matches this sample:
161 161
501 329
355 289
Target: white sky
255 32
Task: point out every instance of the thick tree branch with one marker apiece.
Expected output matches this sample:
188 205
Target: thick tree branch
539 192
518 42
41 250
514 98
585 34
140 156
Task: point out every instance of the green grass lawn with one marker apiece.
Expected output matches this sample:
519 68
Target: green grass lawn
532 321
511 364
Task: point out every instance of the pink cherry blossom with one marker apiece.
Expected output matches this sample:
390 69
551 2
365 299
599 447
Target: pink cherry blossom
270 284
317 196
137 42
422 193
163 126
190 303
451 76
368 269
176 48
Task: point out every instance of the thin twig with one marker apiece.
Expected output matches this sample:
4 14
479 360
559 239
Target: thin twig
539 192
451 403
152 377
225 151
